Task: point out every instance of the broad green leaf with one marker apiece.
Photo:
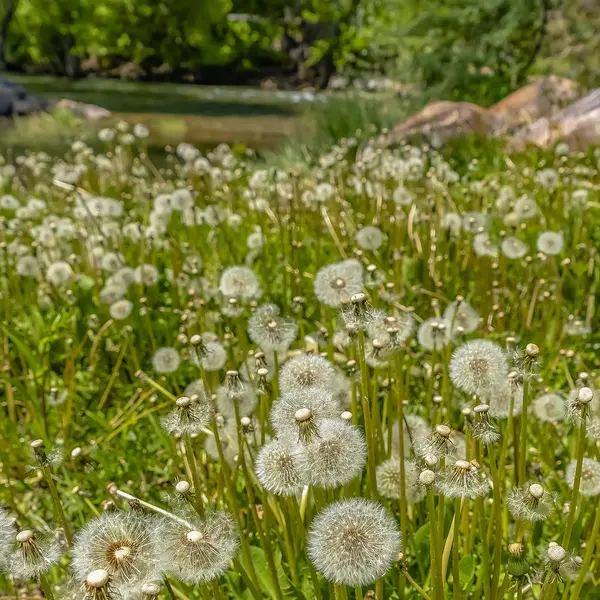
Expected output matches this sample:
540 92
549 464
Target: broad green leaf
422 540
466 569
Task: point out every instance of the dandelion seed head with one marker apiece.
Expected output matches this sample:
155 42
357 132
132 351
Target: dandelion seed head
7 535
121 309
60 273
34 555
276 468
513 248
337 283
240 282
370 238
590 476
531 502
304 372
478 366
201 552
550 408
550 242
461 314
354 542
462 480
433 334
333 457
125 545
269 330
166 360
389 481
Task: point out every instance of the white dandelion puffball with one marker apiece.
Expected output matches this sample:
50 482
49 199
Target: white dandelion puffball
513 248
334 456
166 360
370 238
354 542
590 476
276 468
337 283
550 408
201 550
240 282
478 366
434 334
59 273
120 309
550 243
461 317
305 371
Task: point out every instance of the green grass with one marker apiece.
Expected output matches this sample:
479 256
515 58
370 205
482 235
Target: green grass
84 381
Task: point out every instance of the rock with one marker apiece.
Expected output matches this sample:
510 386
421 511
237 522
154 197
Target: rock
89 112
439 122
578 125
542 98
15 100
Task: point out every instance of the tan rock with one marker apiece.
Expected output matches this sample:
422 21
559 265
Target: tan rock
89 112
439 122
542 98
578 125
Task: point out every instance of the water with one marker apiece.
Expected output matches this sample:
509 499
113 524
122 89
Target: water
202 115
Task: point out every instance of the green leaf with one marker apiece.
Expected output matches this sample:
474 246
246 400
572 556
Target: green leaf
265 578
422 538
466 569
23 348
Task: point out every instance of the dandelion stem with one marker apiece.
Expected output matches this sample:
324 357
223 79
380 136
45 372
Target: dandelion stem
46 588
455 549
369 433
417 587
576 483
522 469
191 456
436 572
340 592
497 520
588 556
58 509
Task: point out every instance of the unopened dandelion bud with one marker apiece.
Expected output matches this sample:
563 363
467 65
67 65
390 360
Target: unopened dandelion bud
518 567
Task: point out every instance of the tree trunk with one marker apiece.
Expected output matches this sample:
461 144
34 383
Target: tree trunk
4 25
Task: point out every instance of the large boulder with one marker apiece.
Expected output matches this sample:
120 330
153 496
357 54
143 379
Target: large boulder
543 98
15 100
439 122
578 125
89 112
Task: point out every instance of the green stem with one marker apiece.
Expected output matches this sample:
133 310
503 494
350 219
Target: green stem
58 509
189 450
45 585
588 556
170 588
436 572
455 548
417 587
497 519
340 592
576 483
369 433
522 468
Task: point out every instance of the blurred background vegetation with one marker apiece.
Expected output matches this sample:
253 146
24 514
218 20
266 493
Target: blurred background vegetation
476 50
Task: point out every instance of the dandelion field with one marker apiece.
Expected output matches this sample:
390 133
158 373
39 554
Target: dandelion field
371 375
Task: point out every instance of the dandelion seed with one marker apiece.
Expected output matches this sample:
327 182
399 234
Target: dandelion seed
333 457
354 542
276 468
7 536
201 550
590 476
